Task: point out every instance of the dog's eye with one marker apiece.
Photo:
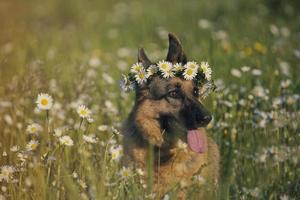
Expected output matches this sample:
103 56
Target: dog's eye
174 94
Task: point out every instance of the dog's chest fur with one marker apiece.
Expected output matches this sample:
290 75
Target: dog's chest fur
174 165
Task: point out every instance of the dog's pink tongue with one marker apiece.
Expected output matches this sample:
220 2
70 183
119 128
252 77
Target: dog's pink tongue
196 140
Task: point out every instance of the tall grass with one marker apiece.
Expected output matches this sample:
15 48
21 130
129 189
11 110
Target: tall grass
77 50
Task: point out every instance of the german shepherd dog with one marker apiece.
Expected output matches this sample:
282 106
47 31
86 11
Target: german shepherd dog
166 113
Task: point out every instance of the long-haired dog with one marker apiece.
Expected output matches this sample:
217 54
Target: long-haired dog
169 117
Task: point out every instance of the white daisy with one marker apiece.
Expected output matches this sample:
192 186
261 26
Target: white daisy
164 66
83 111
141 77
191 65
58 132
168 73
90 138
14 148
66 140
151 70
206 70
34 128
125 84
125 172
32 145
7 173
44 101
178 67
102 128
116 152
137 67
189 73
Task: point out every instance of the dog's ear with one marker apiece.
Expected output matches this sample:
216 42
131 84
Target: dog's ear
175 53
143 58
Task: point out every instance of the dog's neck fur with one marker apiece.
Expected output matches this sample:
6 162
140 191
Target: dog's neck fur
170 129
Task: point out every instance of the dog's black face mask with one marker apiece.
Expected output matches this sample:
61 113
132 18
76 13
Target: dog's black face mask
181 98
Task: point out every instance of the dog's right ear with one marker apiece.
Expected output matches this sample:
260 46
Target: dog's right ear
175 53
143 58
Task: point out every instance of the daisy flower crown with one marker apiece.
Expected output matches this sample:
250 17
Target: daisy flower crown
143 71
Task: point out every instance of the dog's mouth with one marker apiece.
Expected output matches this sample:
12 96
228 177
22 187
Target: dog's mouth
196 140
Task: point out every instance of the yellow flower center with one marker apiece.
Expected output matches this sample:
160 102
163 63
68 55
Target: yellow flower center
33 129
141 75
164 66
34 146
83 112
138 68
125 173
44 102
189 72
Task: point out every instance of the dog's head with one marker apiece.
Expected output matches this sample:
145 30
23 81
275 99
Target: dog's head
180 97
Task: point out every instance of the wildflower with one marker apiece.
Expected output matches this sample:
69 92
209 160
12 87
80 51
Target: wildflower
32 145
206 70
285 84
90 120
125 84
66 140
191 65
103 128
141 77
6 173
236 73
82 183
189 73
83 111
34 128
274 29
260 48
151 70
44 101
107 78
74 175
140 172
90 138
245 69
116 152
58 132
94 61
14 148
164 66
168 73
125 172
204 24
256 72
284 68
137 67
178 67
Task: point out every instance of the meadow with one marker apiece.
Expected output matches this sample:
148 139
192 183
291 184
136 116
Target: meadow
76 51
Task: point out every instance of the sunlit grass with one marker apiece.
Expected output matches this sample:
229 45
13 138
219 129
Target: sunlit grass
76 52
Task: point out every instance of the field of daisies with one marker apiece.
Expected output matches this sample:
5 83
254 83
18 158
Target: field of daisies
61 107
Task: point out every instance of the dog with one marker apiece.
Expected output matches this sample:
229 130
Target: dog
166 112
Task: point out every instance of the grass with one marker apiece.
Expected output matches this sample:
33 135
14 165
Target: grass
54 47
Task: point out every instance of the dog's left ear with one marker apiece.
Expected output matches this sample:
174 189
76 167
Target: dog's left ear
175 53
143 58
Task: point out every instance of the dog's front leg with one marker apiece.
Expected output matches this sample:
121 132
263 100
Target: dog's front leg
147 122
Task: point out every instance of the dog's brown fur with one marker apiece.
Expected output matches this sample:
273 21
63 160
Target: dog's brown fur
157 122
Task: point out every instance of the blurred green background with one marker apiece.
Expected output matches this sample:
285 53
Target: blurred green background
57 39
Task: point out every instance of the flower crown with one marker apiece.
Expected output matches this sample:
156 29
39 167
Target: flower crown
139 75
